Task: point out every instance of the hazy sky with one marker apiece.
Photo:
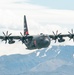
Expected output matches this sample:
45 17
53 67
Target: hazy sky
43 16
55 4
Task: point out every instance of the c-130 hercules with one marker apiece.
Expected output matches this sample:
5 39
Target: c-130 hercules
36 41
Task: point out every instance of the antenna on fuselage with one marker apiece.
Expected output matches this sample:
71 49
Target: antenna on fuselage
25 26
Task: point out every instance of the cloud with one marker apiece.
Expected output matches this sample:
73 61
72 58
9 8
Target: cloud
11 16
17 48
12 1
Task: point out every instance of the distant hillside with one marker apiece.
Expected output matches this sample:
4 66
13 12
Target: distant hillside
58 60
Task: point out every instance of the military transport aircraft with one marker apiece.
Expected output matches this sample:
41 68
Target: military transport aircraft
36 41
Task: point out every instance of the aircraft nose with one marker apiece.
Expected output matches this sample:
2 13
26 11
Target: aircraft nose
47 41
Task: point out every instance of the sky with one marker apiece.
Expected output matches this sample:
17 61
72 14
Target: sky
55 4
42 17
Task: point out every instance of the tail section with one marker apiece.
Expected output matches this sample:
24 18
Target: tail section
25 26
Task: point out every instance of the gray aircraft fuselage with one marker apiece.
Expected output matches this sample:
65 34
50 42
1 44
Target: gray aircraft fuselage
37 42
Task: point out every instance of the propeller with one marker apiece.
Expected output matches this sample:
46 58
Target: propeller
56 35
22 38
25 38
6 36
71 35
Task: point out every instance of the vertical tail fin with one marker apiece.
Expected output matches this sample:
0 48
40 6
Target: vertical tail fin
25 26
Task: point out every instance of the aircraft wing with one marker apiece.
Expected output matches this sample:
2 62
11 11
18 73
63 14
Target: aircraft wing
15 37
12 38
61 37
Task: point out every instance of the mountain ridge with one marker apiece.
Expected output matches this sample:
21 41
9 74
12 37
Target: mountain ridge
54 61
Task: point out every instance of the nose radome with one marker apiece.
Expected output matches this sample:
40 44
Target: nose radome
47 40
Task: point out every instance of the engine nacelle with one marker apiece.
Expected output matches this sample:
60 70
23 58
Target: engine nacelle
61 40
11 41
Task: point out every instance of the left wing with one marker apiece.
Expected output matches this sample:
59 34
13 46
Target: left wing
60 36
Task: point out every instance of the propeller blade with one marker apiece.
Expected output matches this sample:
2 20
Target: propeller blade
59 34
19 39
21 33
5 41
72 31
73 38
53 32
71 35
69 32
7 33
22 42
70 39
4 33
55 40
2 40
10 34
56 32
